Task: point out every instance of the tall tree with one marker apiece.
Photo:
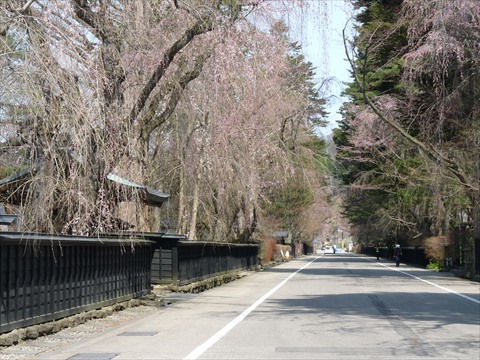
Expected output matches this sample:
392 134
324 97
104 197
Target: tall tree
440 67
240 138
367 147
87 99
111 86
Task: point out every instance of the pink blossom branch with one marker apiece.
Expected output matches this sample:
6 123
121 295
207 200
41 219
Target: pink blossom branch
151 121
432 153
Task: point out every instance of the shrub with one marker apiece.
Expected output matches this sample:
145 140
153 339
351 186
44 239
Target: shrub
268 250
434 265
435 247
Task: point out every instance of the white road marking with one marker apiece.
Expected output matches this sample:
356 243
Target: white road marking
197 352
429 282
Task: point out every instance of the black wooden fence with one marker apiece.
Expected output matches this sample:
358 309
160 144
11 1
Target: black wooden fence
199 260
45 277
48 277
179 261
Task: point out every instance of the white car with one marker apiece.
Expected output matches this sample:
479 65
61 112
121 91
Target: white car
329 250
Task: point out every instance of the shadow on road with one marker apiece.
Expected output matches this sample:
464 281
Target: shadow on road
372 267
377 291
435 310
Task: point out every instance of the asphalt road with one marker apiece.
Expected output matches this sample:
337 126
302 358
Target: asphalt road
338 306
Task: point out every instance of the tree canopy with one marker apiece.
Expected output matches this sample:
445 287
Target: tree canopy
410 130
206 100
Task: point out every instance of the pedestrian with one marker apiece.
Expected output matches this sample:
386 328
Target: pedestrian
396 254
377 250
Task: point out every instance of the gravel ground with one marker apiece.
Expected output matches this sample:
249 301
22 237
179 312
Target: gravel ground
30 349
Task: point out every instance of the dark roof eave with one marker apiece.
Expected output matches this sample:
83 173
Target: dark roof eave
155 197
150 196
69 239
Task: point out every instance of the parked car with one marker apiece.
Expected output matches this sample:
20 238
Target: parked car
329 250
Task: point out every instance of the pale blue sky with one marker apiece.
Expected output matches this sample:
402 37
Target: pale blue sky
321 39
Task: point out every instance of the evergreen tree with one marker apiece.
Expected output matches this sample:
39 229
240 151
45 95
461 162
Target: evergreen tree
429 111
379 44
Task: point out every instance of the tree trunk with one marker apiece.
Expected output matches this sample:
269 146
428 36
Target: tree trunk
476 236
192 234
181 222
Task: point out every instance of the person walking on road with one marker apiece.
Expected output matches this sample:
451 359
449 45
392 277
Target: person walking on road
396 254
377 251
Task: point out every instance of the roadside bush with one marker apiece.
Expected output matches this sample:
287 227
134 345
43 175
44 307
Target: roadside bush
268 250
435 248
434 265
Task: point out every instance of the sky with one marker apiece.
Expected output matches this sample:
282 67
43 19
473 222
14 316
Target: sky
323 47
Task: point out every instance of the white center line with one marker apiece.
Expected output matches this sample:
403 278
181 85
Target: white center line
197 352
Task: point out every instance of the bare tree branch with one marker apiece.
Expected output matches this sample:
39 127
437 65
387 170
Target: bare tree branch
23 10
200 27
151 121
87 16
26 6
